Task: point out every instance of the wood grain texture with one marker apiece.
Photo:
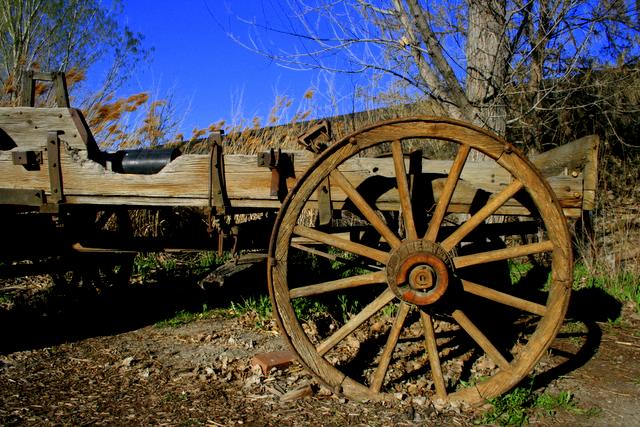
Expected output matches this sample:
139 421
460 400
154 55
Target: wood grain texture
431 346
356 321
503 298
392 340
480 339
367 211
402 184
340 243
339 284
28 127
184 182
502 254
447 192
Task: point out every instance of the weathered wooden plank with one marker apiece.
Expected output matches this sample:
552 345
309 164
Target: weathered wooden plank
569 158
28 127
184 182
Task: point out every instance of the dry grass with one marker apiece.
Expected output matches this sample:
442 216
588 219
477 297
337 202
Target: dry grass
610 252
247 136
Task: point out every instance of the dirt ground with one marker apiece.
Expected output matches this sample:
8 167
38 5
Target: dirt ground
103 358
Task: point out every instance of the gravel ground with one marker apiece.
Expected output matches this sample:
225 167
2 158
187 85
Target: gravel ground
105 360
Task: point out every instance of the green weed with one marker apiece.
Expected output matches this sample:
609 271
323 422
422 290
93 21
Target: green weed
342 264
168 264
390 310
550 403
6 300
209 259
615 322
145 264
307 309
514 408
260 306
622 285
183 317
576 332
518 270
348 306
510 409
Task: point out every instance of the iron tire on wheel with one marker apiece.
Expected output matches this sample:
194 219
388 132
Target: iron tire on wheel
422 275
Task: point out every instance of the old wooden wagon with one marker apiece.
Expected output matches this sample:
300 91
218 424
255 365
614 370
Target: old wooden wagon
421 255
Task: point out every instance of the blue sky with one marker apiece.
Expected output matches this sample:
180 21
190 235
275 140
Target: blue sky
208 75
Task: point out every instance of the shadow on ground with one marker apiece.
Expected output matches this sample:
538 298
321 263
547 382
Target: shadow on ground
589 306
59 314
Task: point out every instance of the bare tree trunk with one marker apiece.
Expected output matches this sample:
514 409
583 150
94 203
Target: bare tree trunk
486 55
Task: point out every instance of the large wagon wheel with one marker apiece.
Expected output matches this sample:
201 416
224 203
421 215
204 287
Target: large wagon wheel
446 336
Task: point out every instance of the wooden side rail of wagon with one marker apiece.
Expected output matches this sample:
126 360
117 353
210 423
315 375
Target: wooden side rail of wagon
426 247
40 144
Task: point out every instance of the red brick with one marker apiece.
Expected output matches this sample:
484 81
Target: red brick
274 359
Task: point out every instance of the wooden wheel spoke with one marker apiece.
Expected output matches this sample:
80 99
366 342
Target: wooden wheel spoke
313 251
367 211
502 254
403 189
480 339
478 218
503 298
340 284
383 299
432 352
340 243
447 192
392 340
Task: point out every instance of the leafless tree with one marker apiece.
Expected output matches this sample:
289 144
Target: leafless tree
66 35
497 63
72 36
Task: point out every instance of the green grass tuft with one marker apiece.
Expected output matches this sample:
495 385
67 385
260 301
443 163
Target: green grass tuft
622 285
515 407
307 309
183 317
260 306
510 409
518 270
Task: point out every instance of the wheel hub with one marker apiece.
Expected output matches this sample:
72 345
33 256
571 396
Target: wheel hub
418 272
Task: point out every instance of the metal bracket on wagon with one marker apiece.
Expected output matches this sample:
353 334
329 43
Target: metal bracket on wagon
217 192
281 165
31 160
317 138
